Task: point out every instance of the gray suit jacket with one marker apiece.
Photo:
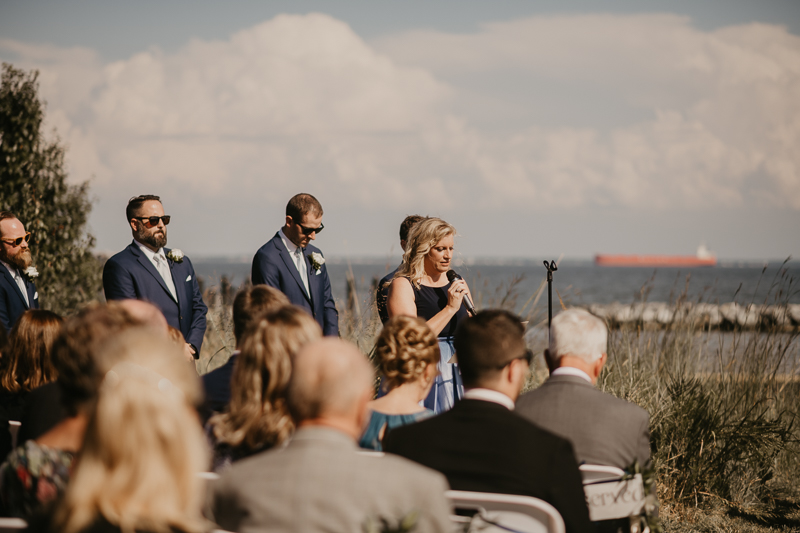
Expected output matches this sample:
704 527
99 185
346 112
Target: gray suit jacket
320 482
602 428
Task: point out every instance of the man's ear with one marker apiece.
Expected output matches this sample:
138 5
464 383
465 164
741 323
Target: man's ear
288 220
133 222
599 364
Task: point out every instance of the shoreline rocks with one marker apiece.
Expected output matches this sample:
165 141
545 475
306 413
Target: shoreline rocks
710 316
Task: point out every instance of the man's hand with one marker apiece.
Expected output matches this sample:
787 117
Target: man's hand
188 351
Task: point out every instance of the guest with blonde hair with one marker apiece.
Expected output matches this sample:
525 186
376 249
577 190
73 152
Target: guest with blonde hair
143 447
257 417
420 288
407 353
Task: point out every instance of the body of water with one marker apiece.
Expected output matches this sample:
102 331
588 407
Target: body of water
578 282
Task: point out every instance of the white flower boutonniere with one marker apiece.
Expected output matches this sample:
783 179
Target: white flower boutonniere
175 255
317 261
31 273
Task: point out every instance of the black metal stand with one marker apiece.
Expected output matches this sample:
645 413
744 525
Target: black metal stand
551 267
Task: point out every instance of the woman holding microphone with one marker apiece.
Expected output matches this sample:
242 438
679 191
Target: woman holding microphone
421 288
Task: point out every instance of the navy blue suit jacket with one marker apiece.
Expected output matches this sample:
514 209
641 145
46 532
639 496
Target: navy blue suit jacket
273 266
217 385
382 295
12 303
130 275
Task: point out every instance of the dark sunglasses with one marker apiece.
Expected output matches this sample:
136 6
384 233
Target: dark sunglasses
18 240
528 356
309 231
154 220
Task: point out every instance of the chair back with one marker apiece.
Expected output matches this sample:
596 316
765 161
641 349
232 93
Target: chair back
609 500
501 513
10 525
599 473
13 428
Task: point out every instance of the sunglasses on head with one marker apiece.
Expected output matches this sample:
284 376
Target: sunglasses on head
18 240
154 220
309 231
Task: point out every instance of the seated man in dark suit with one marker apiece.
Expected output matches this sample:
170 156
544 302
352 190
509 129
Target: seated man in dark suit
249 303
382 292
603 429
319 481
481 444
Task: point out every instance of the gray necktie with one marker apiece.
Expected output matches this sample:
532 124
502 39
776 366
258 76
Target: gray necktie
163 269
300 263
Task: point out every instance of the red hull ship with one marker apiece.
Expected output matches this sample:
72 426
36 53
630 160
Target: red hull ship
704 258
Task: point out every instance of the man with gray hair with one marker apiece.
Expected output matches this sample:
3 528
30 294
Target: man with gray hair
320 481
603 429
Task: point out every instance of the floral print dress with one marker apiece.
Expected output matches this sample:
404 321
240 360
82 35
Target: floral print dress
32 477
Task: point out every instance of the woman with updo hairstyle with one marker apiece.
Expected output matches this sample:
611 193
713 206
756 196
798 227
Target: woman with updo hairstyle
407 353
420 288
257 417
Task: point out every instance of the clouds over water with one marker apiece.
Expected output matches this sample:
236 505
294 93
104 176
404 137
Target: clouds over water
570 112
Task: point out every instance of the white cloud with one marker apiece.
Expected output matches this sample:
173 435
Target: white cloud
641 111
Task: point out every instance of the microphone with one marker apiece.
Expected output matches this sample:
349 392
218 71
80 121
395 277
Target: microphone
452 275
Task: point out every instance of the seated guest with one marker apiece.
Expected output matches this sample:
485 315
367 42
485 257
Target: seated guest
43 407
37 471
407 353
26 362
481 444
257 417
602 428
143 446
249 303
319 482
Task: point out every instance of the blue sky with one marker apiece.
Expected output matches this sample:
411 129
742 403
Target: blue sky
535 128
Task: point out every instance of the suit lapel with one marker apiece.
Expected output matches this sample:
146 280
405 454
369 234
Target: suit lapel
10 278
31 288
172 266
310 274
148 265
287 260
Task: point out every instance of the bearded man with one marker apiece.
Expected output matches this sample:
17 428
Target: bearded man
145 270
17 291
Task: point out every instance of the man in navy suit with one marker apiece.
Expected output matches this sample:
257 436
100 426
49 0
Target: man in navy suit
290 264
17 291
145 270
382 292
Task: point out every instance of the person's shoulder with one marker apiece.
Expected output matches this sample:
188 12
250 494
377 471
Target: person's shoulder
271 246
390 466
124 255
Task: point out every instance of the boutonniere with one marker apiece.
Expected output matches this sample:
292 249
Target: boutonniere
317 261
31 273
175 255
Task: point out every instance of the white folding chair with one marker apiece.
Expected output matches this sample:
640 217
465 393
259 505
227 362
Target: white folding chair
9 525
208 476
13 428
371 453
496 513
600 473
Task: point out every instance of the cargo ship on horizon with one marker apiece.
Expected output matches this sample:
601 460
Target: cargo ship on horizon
703 258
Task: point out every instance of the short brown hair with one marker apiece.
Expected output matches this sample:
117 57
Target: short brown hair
302 204
407 224
135 203
252 302
486 343
75 350
405 347
27 363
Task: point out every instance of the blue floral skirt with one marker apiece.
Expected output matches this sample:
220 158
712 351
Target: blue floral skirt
447 388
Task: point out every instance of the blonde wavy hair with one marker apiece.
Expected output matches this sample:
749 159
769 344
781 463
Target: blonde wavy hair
144 445
257 414
405 348
424 235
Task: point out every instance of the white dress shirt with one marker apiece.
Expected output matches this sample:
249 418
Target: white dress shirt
489 395
571 371
298 258
14 271
159 261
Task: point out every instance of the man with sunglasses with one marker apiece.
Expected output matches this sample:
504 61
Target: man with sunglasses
145 270
481 444
292 265
17 291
